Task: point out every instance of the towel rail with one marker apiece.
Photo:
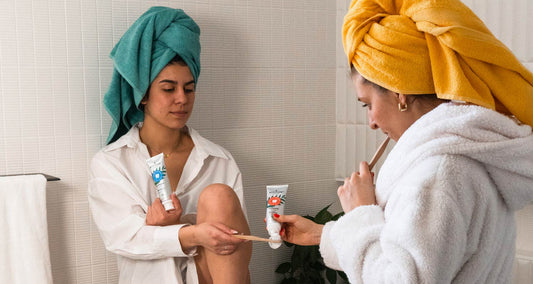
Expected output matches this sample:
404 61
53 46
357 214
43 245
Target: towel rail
48 177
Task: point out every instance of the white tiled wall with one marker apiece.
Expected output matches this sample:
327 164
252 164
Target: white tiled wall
509 21
266 93
270 71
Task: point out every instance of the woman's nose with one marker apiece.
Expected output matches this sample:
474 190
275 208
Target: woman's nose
180 97
373 125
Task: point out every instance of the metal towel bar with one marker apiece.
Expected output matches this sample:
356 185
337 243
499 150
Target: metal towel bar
48 177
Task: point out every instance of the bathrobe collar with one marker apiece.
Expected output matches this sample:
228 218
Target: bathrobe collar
498 142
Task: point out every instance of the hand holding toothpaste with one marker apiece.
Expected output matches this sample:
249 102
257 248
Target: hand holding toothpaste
158 216
299 230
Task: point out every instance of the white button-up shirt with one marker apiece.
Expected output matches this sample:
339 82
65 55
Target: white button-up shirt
121 189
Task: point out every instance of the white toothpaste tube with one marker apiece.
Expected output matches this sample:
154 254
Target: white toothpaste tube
276 195
159 175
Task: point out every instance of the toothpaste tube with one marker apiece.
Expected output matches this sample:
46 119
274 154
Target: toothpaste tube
159 175
276 195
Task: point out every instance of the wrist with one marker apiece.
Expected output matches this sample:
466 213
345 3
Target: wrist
318 234
187 238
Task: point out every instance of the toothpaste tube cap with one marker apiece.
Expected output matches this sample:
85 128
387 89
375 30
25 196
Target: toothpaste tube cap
168 205
275 238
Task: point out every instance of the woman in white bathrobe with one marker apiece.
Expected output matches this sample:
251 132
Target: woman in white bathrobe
442 208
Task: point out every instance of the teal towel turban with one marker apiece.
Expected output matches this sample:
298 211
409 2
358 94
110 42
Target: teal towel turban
144 50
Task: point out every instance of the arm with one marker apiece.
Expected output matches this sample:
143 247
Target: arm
421 239
119 211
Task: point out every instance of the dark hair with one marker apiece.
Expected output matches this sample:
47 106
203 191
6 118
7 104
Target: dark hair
175 60
354 72
424 97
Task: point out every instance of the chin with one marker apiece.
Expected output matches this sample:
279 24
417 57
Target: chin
175 126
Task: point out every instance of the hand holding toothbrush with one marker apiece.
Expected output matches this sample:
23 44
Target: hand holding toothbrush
358 190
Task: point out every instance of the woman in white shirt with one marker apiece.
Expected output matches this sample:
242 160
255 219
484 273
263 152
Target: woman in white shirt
194 242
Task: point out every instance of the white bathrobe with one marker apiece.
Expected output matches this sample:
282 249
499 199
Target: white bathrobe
446 195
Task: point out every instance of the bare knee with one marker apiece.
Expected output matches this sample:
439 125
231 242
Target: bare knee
217 197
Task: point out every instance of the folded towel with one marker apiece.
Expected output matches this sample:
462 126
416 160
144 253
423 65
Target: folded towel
25 256
144 50
439 46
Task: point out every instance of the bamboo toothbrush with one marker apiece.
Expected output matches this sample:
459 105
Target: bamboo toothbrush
378 153
254 238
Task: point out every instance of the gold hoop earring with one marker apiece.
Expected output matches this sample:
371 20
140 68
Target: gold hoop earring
402 108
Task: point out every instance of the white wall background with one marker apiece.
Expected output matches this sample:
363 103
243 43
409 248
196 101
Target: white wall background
266 93
270 71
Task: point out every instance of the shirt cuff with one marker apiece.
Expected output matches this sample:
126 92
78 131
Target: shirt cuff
167 241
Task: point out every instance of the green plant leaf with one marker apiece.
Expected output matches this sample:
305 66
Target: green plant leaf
307 265
317 265
316 278
323 209
343 275
289 281
337 216
331 275
323 215
284 268
299 257
314 254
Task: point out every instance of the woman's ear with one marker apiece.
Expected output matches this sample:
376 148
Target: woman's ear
144 100
402 99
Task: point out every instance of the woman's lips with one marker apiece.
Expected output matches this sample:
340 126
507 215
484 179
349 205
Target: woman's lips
179 113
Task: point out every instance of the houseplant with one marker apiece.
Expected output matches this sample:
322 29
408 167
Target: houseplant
306 264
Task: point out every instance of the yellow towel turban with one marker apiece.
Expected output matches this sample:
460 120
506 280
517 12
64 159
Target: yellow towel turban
436 46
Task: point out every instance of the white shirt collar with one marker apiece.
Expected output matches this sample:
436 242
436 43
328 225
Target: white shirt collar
133 140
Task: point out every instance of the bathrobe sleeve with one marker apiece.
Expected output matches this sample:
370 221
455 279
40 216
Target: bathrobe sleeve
421 239
119 211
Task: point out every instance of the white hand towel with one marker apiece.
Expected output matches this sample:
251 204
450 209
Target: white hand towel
24 252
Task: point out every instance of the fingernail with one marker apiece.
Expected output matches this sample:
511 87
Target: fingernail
234 232
276 215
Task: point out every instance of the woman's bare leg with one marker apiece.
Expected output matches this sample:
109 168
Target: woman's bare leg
219 203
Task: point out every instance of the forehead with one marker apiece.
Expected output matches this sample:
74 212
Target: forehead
363 88
175 72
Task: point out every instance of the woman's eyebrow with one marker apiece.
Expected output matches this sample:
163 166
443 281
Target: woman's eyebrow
175 82
168 81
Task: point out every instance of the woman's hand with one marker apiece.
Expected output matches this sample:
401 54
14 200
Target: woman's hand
158 216
299 230
358 190
215 237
